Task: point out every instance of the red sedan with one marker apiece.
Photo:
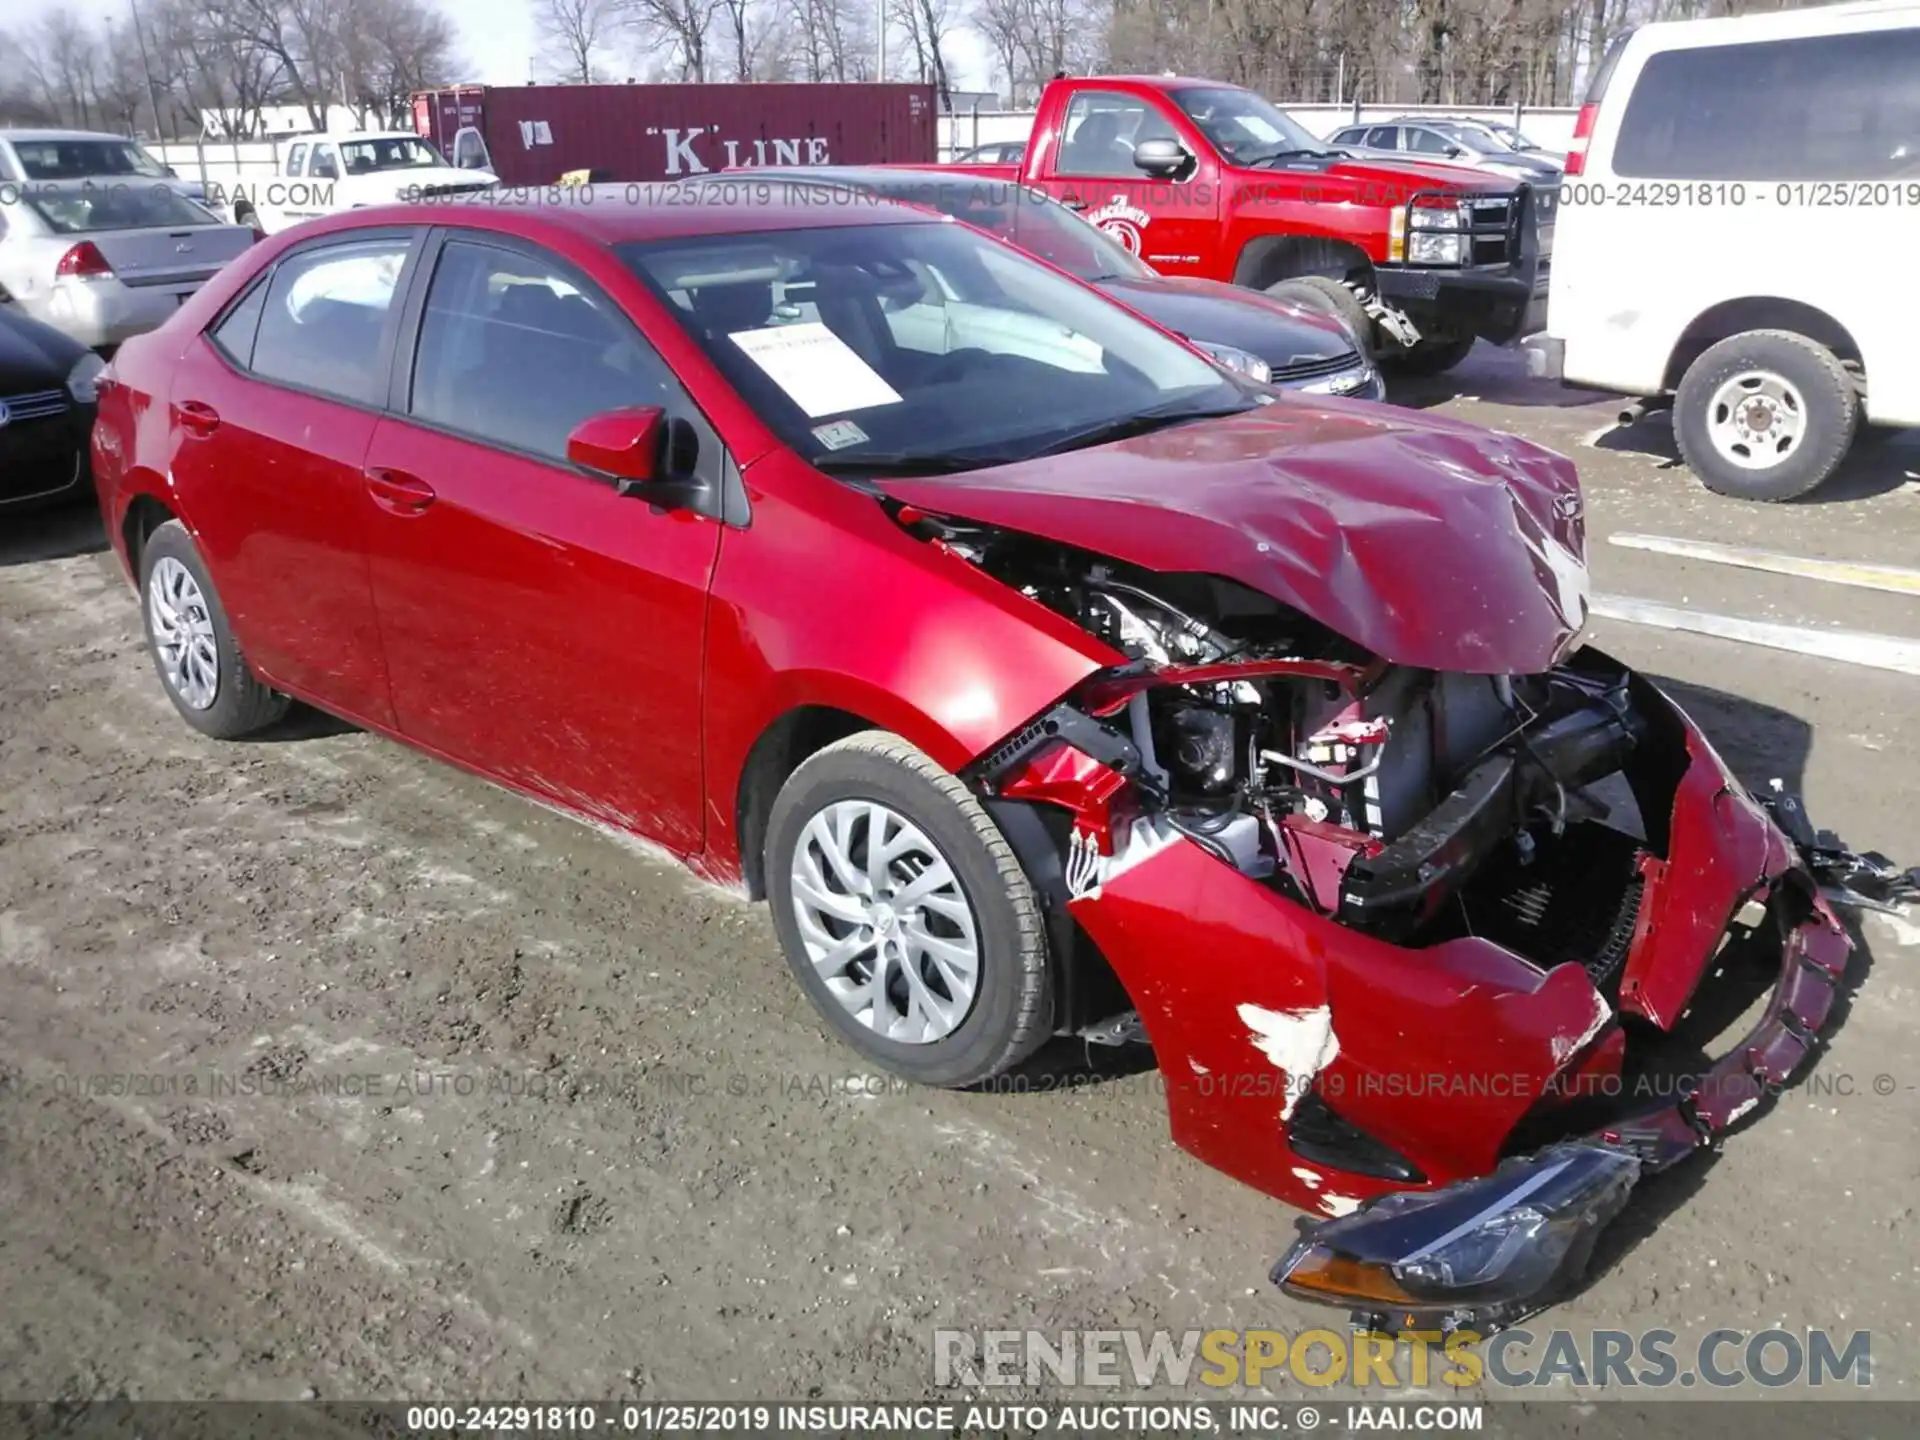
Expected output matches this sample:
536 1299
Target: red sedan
1044 677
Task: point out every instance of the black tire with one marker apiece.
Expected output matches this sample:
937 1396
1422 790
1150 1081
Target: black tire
1831 414
1431 356
241 705
1011 1014
1323 292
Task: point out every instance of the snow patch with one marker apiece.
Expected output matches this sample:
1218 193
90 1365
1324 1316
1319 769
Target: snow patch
1300 1043
1309 1178
1744 1107
1338 1205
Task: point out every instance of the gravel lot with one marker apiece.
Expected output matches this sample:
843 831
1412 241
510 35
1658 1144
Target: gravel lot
579 1134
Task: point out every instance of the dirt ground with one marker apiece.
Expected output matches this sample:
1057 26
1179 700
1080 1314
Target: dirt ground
326 1070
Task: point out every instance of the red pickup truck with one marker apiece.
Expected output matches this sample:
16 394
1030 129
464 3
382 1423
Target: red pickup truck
1203 178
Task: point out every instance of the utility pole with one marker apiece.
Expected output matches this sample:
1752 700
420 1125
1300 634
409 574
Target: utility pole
146 68
880 24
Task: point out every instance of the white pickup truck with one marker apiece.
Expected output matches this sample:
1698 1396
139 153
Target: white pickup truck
324 174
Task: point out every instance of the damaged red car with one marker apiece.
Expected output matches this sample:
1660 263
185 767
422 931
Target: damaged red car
1046 678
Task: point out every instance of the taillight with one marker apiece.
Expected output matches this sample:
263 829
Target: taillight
83 262
1582 131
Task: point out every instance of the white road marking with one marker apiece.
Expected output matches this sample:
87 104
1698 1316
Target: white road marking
1893 578
1857 647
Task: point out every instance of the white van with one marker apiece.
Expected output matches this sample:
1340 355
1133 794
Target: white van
1739 229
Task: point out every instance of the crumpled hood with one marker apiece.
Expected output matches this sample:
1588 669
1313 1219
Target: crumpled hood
1428 542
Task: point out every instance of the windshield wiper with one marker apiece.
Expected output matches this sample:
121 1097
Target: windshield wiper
897 462
1291 154
1128 426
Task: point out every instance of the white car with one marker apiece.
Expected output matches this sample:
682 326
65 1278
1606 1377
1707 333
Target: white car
324 174
105 260
1442 143
28 156
1736 229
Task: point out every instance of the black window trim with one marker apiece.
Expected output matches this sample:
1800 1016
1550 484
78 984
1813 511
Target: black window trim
728 505
389 330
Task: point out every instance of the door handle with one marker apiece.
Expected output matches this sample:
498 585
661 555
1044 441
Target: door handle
397 492
198 421
1074 202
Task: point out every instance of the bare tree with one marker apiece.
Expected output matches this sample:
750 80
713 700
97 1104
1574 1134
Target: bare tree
929 24
680 26
576 36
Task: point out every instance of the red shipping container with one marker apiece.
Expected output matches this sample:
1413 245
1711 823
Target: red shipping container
534 134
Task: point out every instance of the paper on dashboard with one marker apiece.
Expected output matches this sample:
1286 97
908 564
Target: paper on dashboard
818 370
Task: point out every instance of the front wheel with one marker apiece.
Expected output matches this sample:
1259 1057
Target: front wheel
1324 293
1766 415
905 915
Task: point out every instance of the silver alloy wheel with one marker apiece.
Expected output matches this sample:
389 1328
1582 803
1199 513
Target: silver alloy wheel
885 921
1756 419
183 633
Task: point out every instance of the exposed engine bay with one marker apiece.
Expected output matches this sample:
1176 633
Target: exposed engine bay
1371 792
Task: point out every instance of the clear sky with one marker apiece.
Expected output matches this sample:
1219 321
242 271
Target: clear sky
497 37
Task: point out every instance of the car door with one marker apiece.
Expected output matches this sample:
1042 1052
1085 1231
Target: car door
1168 223
539 626
273 408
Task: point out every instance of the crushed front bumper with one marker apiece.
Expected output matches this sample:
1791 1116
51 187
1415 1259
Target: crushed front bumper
1372 1082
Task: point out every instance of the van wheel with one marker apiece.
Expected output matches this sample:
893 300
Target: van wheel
1766 415
905 915
1323 292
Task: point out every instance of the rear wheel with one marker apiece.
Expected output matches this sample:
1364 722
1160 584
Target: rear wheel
194 652
905 915
1323 292
1767 415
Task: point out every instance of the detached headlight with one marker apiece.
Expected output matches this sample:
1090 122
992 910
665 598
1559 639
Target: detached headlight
1479 1253
83 381
1428 249
1236 360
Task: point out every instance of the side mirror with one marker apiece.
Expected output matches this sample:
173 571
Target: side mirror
172 174
1454 152
631 448
1162 159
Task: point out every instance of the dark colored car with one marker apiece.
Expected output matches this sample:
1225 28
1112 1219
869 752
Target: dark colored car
1046 678
1297 343
47 398
997 152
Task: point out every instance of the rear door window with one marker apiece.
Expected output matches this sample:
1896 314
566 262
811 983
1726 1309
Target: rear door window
1383 137
1827 107
324 324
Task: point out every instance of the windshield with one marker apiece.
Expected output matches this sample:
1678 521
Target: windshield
896 346
389 152
1245 128
1029 218
93 208
77 159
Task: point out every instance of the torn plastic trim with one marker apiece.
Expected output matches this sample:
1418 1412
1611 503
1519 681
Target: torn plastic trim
1353 1261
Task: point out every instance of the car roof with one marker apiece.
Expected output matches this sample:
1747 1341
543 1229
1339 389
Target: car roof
351 135
44 135
893 177
664 210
